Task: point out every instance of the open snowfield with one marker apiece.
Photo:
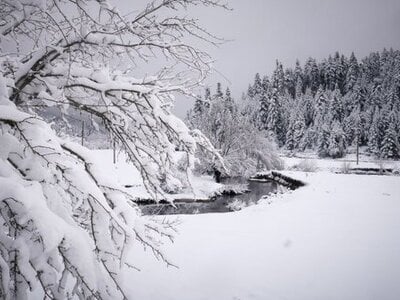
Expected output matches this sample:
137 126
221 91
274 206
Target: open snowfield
336 238
339 165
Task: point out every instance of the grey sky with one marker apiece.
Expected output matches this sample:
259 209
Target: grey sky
266 30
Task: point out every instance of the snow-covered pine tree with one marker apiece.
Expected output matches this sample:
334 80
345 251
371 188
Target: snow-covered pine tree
374 138
336 105
311 74
342 68
321 109
352 127
228 99
352 73
308 107
207 97
323 141
321 101
198 107
250 92
330 73
298 76
290 142
298 130
390 144
66 226
298 90
218 93
257 87
274 118
278 79
228 96
337 144
264 104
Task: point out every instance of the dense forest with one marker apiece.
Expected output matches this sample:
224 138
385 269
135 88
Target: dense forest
329 106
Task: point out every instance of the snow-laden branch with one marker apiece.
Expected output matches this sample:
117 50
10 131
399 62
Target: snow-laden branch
63 208
67 227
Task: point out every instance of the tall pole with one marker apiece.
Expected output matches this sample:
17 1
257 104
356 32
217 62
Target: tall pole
357 150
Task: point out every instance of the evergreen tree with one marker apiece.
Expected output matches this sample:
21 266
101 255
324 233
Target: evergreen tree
264 103
330 73
336 105
299 89
374 136
311 74
228 96
207 94
290 82
218 93
337 146
257 87
290 142
229 100
308 108
298 75
320 100
207 98
250 92
274 121
323 141
198 106
358 94
390 143
278 79
298 130
352 72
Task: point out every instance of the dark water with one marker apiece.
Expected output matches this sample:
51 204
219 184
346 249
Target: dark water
222 203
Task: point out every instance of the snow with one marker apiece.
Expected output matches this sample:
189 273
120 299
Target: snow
337 165
10 113
335 238
202 187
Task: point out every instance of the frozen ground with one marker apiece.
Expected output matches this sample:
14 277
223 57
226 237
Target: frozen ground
202 186
339 165
336 238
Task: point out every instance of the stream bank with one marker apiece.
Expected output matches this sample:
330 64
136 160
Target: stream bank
246 193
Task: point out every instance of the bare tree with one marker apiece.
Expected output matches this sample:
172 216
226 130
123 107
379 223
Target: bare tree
66 228
231 128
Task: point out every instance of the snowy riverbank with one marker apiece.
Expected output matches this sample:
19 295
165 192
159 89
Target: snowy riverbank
202 187
336 238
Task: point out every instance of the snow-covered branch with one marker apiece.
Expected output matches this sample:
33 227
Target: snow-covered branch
66 225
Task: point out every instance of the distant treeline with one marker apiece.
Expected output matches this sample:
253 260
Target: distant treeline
333 104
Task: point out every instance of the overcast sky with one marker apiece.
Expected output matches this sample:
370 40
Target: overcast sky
265 30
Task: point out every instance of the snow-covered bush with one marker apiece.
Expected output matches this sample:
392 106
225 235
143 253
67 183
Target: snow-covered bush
232 129
237 205
306 165
345 167
66 228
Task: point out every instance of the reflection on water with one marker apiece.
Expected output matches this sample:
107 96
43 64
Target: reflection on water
223 203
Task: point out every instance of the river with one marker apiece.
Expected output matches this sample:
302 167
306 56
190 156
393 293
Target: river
218 204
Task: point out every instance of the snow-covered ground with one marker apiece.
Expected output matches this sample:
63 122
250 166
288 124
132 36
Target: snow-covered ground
338 165
202 187
336 238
